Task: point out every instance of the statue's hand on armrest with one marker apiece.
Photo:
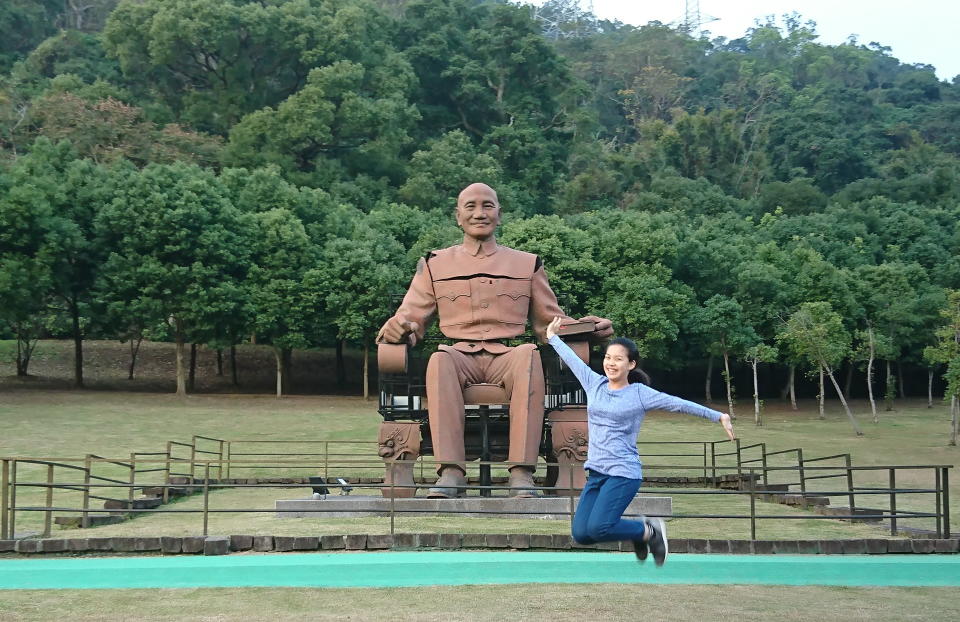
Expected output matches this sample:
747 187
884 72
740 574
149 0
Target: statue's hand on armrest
398 329
603 327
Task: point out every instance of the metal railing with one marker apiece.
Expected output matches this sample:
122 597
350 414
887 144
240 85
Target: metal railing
745 477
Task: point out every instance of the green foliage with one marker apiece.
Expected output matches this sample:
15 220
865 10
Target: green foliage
276 167
178 250
346 120
815 333
947 350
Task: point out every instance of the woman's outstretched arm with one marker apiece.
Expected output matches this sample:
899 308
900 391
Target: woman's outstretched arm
587 377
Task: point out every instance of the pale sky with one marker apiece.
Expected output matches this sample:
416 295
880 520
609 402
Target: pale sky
919 31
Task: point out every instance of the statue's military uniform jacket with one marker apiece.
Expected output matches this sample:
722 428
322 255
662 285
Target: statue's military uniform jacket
480 294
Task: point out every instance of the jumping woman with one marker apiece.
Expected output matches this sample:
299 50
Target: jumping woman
616 405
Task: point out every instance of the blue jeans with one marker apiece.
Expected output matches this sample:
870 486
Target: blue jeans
601 506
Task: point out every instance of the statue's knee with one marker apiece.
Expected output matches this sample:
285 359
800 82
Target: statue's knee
439 360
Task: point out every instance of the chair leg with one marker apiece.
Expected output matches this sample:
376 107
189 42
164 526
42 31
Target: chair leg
485 479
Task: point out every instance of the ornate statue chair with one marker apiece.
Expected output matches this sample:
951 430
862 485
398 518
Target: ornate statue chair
405 431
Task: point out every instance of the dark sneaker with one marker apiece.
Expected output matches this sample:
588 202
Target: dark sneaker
640 547
657 543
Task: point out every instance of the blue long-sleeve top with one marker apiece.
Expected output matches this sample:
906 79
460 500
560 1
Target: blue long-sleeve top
614 416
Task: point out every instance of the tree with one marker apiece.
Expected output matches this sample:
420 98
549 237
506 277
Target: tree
815 332
756 354
358 275
178 253
721 324
947 352
283 310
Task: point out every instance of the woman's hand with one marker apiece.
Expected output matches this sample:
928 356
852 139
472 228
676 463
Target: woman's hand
553 327
727 426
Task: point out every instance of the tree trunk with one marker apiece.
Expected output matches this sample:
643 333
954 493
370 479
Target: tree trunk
903 390
954 420
134 351
707 394
287 354
873 403
278 355
853 422
930 388
233 366
341 371
726 377
848 380
888 391
366 371
820 396
792 387
192 369
756 394
181 368
24 351
220 362
77 346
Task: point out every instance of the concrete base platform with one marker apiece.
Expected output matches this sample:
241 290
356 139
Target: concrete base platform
555 508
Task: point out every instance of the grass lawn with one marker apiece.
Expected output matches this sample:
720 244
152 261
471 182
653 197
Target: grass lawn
64 423
70 424
558 602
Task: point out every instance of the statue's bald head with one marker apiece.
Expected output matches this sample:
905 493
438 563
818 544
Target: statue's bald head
478 211
475 189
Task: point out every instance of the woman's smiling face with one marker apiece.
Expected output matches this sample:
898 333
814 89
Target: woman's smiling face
617 363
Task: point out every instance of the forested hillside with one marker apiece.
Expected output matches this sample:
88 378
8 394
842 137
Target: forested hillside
207 171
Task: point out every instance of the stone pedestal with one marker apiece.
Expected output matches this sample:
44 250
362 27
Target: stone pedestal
554 508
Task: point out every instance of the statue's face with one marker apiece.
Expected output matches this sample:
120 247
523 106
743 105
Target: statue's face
478 211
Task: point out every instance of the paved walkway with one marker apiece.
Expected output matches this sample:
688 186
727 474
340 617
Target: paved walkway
404 569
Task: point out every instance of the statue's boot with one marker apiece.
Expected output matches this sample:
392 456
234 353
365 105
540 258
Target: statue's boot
521 483
451 483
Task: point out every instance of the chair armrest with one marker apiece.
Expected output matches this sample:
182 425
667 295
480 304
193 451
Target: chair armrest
392 358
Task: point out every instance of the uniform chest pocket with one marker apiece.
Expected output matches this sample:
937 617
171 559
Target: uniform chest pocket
513 300
453 302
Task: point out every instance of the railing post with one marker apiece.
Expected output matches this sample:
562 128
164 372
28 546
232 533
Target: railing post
220 464
133 480
763 461
85 516
392 508
12 528
326 460
893 502
48 513
229 452
850 484
753 508
936 501
945 496
166 475
193 458
803 480
713 462
704 463
206 496
4 499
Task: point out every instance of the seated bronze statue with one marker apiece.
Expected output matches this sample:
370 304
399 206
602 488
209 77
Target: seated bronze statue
482 294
